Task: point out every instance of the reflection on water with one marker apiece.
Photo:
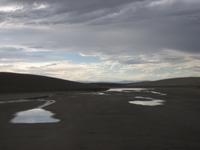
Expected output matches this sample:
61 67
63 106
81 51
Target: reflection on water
126 89
49 102
147 90
37 115
95 93
100 93
148 103
159 93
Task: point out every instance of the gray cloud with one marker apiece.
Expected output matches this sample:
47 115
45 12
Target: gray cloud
113 29
100 11
128 25
26 54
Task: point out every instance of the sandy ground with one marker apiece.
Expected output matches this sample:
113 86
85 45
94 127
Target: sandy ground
106 122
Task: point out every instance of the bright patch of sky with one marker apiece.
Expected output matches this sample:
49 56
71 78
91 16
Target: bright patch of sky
79 58
39 6
11 8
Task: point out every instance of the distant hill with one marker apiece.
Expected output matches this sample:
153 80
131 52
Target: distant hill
15 82
173 82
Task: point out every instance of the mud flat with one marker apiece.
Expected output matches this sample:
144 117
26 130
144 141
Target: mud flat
107 121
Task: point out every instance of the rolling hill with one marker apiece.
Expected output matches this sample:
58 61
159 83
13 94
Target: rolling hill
15 82
173 82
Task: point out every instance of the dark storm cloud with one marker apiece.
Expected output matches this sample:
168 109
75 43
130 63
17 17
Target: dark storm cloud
130 32
75 5
101 11
131 25
62 11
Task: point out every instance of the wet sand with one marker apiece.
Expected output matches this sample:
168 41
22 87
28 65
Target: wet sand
108 121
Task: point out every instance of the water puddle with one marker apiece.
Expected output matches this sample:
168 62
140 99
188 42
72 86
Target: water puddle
100 93
146 90
35 115
159 93
96 93
126 89
147 101
48 102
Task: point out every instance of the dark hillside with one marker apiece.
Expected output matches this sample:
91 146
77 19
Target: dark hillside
14 82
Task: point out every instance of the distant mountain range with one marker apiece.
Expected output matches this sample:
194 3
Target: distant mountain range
173 82
114 81
15 82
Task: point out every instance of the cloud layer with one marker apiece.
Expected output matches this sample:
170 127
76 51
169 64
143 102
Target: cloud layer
135 39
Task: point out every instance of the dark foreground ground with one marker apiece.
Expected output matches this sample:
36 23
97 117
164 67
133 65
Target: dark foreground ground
106 122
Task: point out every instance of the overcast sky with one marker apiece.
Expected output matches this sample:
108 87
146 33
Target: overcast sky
101 40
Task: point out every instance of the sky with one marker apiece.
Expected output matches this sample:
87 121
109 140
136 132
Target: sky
101 40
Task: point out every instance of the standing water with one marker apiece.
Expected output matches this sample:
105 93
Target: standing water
36 115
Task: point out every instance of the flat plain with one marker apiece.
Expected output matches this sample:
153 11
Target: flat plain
105 121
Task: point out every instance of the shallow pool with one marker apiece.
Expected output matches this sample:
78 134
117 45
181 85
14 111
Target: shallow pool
37 115
148 103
